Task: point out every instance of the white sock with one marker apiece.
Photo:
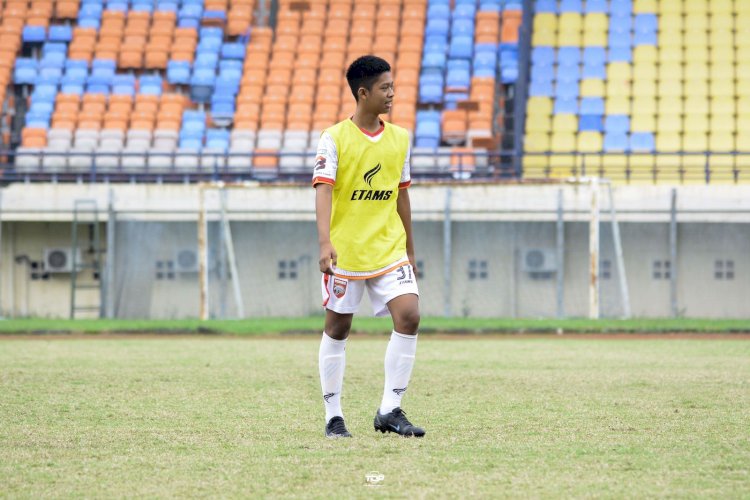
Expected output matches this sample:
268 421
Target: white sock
331 363
399 361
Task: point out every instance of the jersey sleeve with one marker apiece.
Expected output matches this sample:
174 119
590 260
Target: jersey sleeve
405 181
326 161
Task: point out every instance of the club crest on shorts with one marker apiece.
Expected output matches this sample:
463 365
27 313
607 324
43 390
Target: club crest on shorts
339 287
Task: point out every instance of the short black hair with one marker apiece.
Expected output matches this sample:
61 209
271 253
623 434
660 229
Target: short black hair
364 71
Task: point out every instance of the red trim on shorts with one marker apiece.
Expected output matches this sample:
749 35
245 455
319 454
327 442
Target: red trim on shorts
323 180
375 275
328 295
404 185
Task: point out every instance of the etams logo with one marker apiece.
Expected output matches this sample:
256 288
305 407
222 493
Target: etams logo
371 194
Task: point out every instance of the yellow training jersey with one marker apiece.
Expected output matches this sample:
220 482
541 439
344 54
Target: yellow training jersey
366 230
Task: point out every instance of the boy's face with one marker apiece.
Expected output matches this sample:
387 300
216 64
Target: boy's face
379 98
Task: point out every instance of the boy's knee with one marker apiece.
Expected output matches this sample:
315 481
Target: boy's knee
408 322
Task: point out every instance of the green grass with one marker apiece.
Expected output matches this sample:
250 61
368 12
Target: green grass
510 417
314 324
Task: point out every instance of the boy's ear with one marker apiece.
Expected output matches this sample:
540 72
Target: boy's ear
361 93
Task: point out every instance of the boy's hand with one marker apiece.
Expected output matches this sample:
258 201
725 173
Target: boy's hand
328 258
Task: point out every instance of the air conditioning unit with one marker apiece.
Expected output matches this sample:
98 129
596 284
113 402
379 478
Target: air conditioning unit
186 261
539 260
60 260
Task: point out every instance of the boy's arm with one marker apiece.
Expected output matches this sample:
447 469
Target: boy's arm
403 207
323 200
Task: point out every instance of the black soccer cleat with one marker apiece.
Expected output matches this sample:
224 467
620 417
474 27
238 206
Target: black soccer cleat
336 428
397 422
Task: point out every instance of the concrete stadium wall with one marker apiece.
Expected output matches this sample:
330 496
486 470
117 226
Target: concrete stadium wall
490 224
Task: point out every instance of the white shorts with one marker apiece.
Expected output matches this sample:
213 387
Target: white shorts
343 295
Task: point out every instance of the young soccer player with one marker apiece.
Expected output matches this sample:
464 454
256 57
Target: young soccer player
363 214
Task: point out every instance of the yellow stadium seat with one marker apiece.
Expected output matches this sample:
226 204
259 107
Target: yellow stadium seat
538 123
545 21
741 8
644 87
668 164
723 55
721 72
619 88
671 38
589 142
644 71
645 53
592 87
543 38
535 166
723 37
594 39
564 123
569 39
617 106
644 105
721 165
538 105
641 122
569 21
670 106
670 8
742 57
723 105
670 23
698 53
743 107
696 70
721 22
670 88
696 123
667 142
743 144
721 122
563 142
695 36
619 71
742 39
562 166
669 123
721 88
596 22
743 70
671 71
696 88
536 142
697 105
694 142
743 87
743 122
645 6
695 21
722 7
614 167
671 55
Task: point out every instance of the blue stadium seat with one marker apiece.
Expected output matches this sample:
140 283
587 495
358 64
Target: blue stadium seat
568 74
617 123
89 22
646 23
190 11
620 40
615 141
642 141
592 106
566 105
167 6
217 138
25 71
90 11
596 6
594 70
571 6
427 134
118 6
463 27
436 43
123 85
72 88
34 34
590 123
544 74
453 98
188 22
464 11
437 27
101 76
617 54
60 34
209 45
54 48
621 8
97 88
430 93
192 143
178 72
52 60
438 11
103 63
544 56
44 93
458 78
569 56
594 55
620 24
37 120
546 6
206 60
48 75
233 51
484 61
227 85
150 85
543 89
435 60
566 90
75 76
461 47
644 38
76 63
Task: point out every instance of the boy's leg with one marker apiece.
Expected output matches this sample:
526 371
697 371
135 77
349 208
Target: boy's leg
331 364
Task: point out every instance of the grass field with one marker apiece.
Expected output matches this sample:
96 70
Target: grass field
506 417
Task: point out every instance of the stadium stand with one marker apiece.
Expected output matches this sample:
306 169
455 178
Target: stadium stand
131 86
638 90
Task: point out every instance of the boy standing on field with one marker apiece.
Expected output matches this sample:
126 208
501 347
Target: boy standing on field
363 215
